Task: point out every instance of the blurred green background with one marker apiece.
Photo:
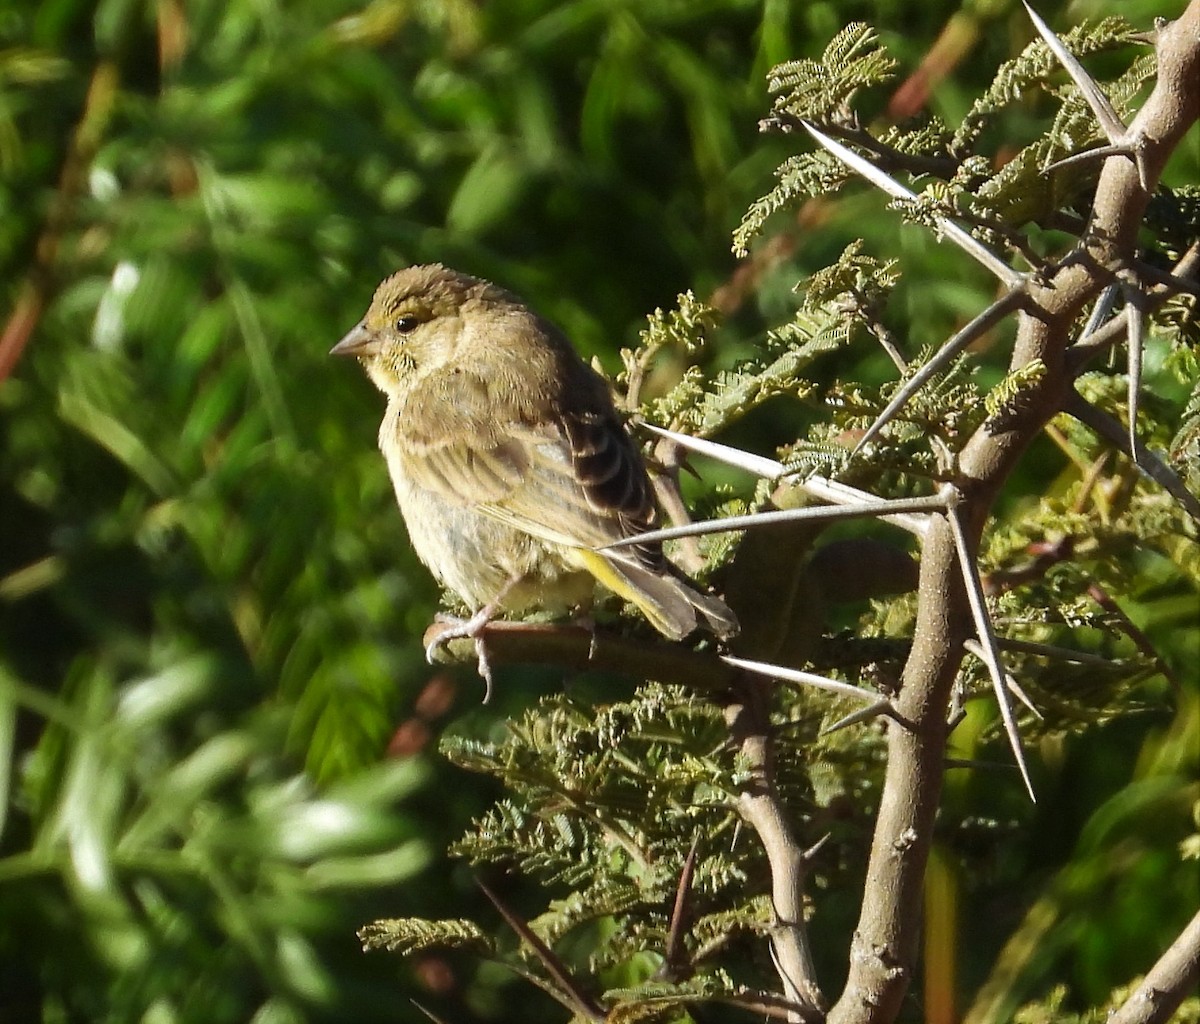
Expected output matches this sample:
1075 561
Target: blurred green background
215 716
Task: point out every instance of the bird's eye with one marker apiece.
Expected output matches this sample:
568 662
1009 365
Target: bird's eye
406 324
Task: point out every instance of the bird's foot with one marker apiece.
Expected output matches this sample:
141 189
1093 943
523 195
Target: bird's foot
585 620
456 629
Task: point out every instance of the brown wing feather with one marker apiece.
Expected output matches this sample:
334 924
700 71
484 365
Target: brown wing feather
613 476
566 479
550 456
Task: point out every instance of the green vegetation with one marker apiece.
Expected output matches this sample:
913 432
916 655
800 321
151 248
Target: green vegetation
217 760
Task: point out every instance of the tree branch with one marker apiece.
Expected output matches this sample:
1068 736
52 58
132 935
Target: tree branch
583 649
884 947
1176 974
762 809
883 950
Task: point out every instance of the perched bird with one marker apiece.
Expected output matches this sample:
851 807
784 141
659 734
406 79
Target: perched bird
509 461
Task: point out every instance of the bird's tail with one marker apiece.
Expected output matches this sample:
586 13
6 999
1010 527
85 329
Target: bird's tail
717 615
668 601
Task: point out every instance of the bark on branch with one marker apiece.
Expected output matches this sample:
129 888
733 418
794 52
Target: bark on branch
884 948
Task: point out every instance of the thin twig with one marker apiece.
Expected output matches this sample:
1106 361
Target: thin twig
567 991
37 289
1168 982
941 359
676 966
578 647
427 1012
762 809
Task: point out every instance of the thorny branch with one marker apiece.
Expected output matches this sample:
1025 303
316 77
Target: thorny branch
885 942
1168 982
762 809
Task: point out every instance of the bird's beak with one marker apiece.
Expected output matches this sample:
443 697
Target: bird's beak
359 342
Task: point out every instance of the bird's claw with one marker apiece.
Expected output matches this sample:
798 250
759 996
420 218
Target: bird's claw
463 628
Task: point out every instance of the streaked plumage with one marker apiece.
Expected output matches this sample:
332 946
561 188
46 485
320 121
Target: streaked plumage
507 455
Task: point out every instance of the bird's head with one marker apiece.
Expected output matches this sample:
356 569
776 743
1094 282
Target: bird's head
414 322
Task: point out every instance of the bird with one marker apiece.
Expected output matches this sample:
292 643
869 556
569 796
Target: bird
510 463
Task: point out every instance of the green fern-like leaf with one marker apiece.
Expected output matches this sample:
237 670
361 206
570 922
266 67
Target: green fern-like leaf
664 1001
406 935
927 136
812 90
799 177
703 409
1005 397
712 930
588 904
1035 65
685 328
1022 191
867 279
683 331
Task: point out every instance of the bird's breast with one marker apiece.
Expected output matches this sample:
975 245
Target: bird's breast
476 555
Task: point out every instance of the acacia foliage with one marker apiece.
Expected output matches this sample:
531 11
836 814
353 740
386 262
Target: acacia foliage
204 587
632 807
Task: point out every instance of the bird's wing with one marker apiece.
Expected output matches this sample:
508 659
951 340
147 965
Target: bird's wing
572 478
452 445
